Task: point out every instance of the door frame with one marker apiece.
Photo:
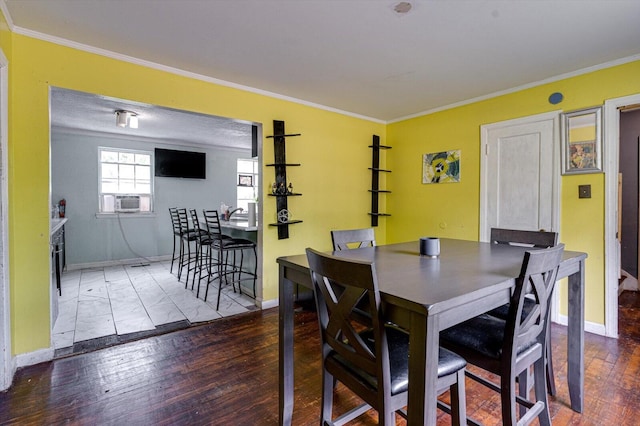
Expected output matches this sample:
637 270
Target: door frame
611 154
7 365
556 188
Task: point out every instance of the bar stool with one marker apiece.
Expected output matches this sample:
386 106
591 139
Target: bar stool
177 234
228 272
188 235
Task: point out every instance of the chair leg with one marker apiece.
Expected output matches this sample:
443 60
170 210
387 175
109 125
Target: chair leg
551 383
327 398
458 400
173 255
540 386
181 256
508 399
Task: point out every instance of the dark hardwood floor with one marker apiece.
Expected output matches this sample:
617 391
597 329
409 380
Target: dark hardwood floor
226 373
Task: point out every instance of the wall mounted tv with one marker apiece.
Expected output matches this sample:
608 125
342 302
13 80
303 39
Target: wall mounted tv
183 164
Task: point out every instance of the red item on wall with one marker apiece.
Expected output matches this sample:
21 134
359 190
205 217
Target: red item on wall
62 206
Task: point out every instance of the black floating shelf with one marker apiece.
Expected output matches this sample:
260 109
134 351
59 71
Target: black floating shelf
296 194
380 190
375 177
379 170
280 165
379 214
381 146
285 223
284 136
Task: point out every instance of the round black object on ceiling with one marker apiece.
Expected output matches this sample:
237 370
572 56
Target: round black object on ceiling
556 98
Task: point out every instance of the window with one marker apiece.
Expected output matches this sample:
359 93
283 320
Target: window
125 180
247 182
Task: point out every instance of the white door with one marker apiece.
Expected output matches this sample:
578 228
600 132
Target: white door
519 175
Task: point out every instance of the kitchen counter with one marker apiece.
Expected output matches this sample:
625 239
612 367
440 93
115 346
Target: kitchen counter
240 225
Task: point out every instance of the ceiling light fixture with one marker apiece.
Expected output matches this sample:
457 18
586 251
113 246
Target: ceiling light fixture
126 119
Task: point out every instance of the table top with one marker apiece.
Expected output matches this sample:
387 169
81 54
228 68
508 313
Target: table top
464 271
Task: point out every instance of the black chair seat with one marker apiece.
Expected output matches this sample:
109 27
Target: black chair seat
398 341
483 334
503 311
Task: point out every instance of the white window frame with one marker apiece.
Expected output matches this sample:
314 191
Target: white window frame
240 202
146 198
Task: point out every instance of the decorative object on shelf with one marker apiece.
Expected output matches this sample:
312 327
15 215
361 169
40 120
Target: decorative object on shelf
245 180
375 180
582 141
279 189
283 216
441 167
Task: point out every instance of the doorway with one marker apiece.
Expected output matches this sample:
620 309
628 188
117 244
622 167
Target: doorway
111 257
611 168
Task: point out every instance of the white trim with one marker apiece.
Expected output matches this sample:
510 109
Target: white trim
589 327
553 79
154 65
611 158
7 364
35 357
267 304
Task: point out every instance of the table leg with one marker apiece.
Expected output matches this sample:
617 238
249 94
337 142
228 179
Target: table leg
423 370
285 346
575 339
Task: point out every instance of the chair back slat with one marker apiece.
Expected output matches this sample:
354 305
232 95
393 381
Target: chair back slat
339 286
175 221
540 239
536 281
183 221
212 221
194 221
353 238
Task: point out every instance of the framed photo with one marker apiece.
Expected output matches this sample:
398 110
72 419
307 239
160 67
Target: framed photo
441 167
582 141
245 180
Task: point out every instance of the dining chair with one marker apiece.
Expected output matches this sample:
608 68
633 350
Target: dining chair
373 361
509 347
539 239
353 238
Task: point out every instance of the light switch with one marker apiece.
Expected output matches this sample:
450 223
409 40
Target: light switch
584 191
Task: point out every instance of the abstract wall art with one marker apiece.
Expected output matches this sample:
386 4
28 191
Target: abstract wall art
441 167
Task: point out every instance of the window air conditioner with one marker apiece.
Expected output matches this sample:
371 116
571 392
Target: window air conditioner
127 203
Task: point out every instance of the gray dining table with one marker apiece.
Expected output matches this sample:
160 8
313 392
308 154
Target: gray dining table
426 295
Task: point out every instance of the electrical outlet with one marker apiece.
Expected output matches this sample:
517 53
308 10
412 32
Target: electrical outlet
584 191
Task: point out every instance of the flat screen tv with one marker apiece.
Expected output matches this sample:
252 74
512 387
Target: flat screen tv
183 164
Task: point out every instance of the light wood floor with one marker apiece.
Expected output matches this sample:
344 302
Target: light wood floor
226 373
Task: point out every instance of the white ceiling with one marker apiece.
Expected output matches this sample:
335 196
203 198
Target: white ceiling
356 56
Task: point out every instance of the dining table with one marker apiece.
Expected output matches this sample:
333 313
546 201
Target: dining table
426 295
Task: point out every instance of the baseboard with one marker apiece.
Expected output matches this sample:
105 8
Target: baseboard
589 327
107 263
266 304
35 357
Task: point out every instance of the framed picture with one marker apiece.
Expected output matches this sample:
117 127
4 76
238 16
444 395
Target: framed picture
441 167
245 180
582 141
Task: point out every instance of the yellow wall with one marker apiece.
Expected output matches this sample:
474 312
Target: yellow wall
333 177
333 152
452 210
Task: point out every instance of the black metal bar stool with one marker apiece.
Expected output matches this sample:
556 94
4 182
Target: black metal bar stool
228 272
